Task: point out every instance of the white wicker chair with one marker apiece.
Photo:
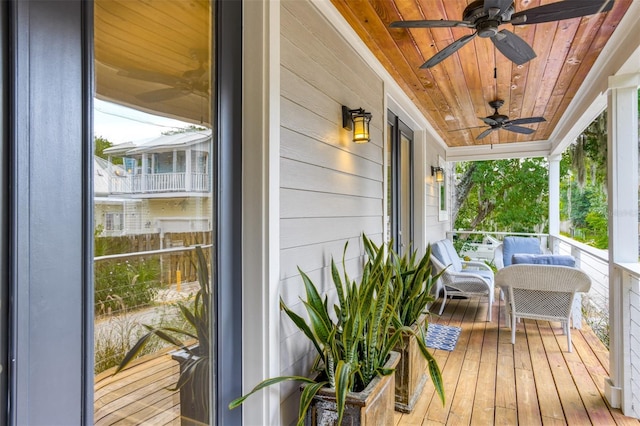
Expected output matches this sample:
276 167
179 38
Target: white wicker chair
463 283
541 292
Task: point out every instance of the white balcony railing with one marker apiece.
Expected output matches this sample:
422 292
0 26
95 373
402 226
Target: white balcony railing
160 182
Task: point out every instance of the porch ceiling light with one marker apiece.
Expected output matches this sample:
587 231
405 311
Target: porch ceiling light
438 172
358 121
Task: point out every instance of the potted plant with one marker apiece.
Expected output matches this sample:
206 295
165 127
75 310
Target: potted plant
193 345
411 282
354 342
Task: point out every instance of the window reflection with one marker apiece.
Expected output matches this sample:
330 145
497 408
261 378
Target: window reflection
152 205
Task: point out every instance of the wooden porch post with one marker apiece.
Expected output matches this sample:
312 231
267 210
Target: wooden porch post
623 229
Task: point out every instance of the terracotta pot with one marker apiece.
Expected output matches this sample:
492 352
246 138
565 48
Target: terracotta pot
371 407
411 372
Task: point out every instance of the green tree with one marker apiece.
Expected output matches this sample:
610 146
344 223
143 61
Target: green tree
99 145
583 195
507 195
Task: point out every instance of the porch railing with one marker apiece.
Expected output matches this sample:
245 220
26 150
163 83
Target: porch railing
160 182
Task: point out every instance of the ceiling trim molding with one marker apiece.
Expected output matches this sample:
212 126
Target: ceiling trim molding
499 151
620 54
393 92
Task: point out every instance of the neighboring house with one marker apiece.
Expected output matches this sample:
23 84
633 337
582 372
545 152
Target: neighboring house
162 186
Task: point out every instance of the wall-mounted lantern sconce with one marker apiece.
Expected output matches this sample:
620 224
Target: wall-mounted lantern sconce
358 121
438 172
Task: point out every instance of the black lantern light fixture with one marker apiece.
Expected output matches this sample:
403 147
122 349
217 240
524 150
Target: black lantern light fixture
438 172
358 121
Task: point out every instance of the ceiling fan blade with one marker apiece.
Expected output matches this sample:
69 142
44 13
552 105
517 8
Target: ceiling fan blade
162 94
513 47
485 133
430 24
561 10
449 50
494 8
528 120
489 121
518 129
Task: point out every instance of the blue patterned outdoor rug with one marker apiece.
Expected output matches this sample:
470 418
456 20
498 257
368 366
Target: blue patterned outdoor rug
442 336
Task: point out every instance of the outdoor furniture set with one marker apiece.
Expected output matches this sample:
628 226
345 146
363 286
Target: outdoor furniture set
536 285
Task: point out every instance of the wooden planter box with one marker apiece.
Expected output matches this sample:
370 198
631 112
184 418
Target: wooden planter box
371 407
411 372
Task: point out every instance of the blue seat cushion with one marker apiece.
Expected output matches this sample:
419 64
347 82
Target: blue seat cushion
440 253
513 245
456 263
444 251
544 259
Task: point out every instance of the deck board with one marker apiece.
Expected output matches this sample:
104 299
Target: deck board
138 395
536 381
487 379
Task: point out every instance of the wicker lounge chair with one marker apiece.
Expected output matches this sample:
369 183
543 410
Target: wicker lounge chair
541 292
460 277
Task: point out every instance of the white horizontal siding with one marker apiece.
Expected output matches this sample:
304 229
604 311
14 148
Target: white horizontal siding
296 204
308 231
317 256
309 177
299 147
331 190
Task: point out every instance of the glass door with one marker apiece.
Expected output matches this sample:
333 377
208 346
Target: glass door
400 181
153 210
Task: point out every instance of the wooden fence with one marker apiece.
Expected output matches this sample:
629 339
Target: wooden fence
174 266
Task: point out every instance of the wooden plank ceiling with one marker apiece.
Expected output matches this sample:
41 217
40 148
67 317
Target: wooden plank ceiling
155 56
454 93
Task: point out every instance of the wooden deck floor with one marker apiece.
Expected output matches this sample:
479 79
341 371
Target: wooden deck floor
139 394
487 379
536 381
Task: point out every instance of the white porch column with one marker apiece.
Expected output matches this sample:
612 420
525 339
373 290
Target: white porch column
623 228
261 210
187 170
554 196
143 174
175 161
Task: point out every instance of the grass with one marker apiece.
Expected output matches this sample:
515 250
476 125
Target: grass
116 335
125 284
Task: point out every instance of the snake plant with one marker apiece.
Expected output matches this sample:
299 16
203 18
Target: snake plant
194 372
411 284
354 340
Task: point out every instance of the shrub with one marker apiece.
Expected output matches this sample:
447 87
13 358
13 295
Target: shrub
129 284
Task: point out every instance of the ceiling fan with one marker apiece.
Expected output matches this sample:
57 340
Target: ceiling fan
486 16
191 81
498 121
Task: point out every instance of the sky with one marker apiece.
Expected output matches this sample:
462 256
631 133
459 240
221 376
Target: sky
119 124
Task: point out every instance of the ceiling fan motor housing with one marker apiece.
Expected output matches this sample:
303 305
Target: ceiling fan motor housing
486 25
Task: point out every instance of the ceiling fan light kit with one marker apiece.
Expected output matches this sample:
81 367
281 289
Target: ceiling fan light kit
498 121
486 16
